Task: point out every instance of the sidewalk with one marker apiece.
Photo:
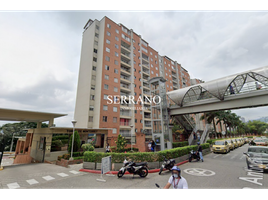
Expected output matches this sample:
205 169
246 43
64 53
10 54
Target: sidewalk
115 172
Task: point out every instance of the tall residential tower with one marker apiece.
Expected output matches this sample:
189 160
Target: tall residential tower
116 61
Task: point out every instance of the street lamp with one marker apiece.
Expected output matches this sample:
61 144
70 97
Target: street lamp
74 122
12 143
131 126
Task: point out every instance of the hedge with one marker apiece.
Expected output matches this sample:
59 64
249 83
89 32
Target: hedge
68 155
92 156
180 144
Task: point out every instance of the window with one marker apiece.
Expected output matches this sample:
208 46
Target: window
108 41
105 97
114 130
116 38
106 77
136 130
134 54
93 77
92 87
156 68
107 49
94 68
135 93
94 59
116 46
156 74
152 72
104 118
117 31
133 40
106 87
97 35
106 67
116 54
108 26
92 97
91 108
134 77
105 107
116 62
152 66
155 56
151 53
116 71
96 43
90 119
151 59
97 27
141 113
108 33
107 58
116 80
95 50
115 89
114 119
135 120
115 109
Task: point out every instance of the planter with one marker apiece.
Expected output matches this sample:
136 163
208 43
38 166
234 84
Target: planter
116 166
153 165
89 165
98 166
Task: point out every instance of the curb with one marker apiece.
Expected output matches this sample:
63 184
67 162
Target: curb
115 172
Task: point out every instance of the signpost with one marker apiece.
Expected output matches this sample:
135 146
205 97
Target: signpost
106 163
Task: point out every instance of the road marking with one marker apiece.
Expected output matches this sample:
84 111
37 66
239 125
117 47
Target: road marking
32 181
63 174
199 172
13 185
226 155
242 157
74 172
254 177
216 156
48 178
233 156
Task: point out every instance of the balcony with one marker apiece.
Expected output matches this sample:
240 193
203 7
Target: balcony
147 117
125 46
174 75
125 125
125 133
125 63
125 56
146 77
125 114
174 81
145 61
146 86
125 71
146 66
147 125
175 86
125 87
125 79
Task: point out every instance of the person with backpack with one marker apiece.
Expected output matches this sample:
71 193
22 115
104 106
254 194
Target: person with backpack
199 150
152 146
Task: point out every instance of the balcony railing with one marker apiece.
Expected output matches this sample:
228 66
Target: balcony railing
125 86
125 69
125 123
147 116
125 77
125 133
125 113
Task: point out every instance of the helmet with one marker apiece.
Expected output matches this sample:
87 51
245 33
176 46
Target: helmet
198 143
177 169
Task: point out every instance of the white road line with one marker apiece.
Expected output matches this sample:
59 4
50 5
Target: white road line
74 172
216 156
32 181
62 174
13 185
48 178
233 156
242 157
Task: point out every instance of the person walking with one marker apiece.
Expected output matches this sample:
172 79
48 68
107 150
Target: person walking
199 150
152 146
108 149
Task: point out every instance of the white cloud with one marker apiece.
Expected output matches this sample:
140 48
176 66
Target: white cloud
40 51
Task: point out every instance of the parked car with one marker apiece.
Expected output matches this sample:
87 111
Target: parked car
221 146
246 139
257 158
260 142
231 144
235 143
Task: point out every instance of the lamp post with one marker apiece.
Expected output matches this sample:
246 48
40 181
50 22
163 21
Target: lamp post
74 122
12 143
131 126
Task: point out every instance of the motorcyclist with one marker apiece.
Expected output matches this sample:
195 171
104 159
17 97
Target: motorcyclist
176 180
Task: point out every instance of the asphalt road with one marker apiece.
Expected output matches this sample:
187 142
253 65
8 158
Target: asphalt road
218 171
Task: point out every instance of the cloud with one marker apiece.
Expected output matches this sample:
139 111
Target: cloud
40 51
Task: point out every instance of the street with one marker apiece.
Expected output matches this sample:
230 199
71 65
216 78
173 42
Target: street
218 171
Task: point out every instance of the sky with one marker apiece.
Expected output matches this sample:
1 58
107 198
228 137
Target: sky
40 50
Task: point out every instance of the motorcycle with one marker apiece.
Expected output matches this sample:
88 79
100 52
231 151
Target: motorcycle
168 164
140 169
194 155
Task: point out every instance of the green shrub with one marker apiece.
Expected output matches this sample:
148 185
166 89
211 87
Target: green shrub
76 145
180 144
92 156
88 147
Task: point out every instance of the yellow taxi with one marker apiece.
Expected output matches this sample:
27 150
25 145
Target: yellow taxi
241 141
220 146
231 144
235 143
238 142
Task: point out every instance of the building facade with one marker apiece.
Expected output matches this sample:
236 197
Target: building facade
115 62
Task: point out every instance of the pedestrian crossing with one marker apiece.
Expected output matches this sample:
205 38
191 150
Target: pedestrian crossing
29 182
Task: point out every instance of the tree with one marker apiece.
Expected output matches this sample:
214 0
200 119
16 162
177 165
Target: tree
257 127
210 118
177 130
121 143
77 143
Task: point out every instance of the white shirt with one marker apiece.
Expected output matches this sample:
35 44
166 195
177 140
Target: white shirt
178 183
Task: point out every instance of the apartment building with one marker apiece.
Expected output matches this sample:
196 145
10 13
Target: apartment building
116 61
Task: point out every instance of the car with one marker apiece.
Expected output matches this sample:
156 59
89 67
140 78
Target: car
242 141
231 144
257 158
235 143
246 139
260 142
220 146
238 142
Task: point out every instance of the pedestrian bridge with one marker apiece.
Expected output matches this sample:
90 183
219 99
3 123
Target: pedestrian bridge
244 90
